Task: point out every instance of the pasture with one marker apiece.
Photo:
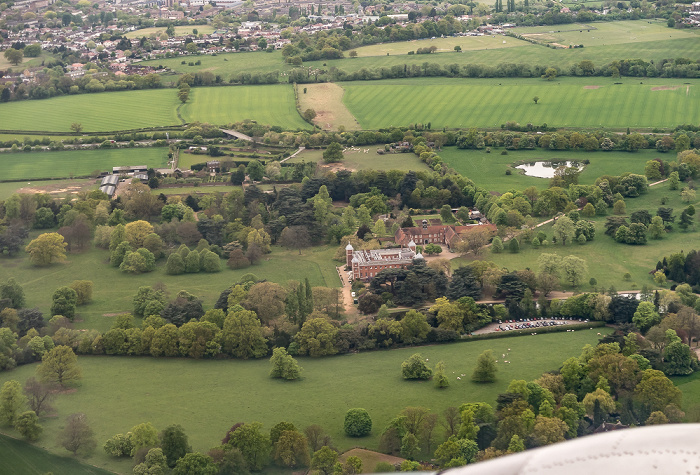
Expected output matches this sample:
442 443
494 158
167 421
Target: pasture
565 102
179 31
226 64
489 169
22 458
467 43
65 164
353 160
114 290
117 393
608 260
273 105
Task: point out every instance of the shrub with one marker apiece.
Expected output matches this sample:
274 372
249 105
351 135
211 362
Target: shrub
358 423
415 368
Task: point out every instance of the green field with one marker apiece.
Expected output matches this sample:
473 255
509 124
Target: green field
366 161
491 102
226 65
108 111
489 169
273 105
607 33
467 43
114 290
179 31
38 165
207 397
608 260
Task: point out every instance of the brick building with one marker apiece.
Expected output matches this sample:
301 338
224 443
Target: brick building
366 264
442 234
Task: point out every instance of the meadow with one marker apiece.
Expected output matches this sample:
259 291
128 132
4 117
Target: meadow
365 161
22 458
608 260
226 64
489 169
581 102
111 111
114 290
64 164
326 99
117 393
270 104
467 43
179 31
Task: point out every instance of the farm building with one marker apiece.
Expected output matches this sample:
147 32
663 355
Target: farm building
367 264
129 170
109 184
436 234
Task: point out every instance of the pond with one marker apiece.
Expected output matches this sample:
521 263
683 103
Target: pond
546 169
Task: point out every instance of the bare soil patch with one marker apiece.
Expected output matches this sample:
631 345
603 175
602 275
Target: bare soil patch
57 188
665 88
327 100
592 87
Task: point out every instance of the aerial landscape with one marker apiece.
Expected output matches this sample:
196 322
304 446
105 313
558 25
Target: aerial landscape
343 237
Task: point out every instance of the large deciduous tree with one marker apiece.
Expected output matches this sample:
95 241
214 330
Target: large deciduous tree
77 435
415 368
59 365
485 371
12 401
46 248
358 422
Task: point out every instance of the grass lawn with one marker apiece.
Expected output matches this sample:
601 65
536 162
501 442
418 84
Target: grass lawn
20 457
690 387
365 161
208 397
179 31
226 65
491 102
113 290
467 43
271 104
38 165
608 260
489 169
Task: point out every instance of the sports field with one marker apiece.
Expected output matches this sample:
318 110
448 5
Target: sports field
584 102
117 393
467 43
489 169
273 105
65 164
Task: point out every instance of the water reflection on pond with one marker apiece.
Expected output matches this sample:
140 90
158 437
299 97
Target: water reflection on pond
547 169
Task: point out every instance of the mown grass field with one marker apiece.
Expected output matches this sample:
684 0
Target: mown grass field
489 169
273 105
38 165
365 161
114 290
18 457
208 397
179 31
608 260
467 43
96 112
227 64
607 33
491 102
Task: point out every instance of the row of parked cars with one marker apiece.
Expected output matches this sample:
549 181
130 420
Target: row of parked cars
531 323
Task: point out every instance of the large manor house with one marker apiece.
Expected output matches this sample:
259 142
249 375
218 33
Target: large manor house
366 264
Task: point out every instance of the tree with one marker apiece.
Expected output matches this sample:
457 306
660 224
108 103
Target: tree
646 316
14 56
255 170
574 269
59 365
77 436
63 302
174 443
253 444
564 229
358 423
76 127
295 237
195 463
656 228
485 371
414 327
12 292
536 99
548 430
317 337
497 245
514 245
242 335
549 74
284 365
333 153
46 248
656 391
12 401
324 460
292 449
183 94
39 395
309 115
27 424
415 368
441 381
83 291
